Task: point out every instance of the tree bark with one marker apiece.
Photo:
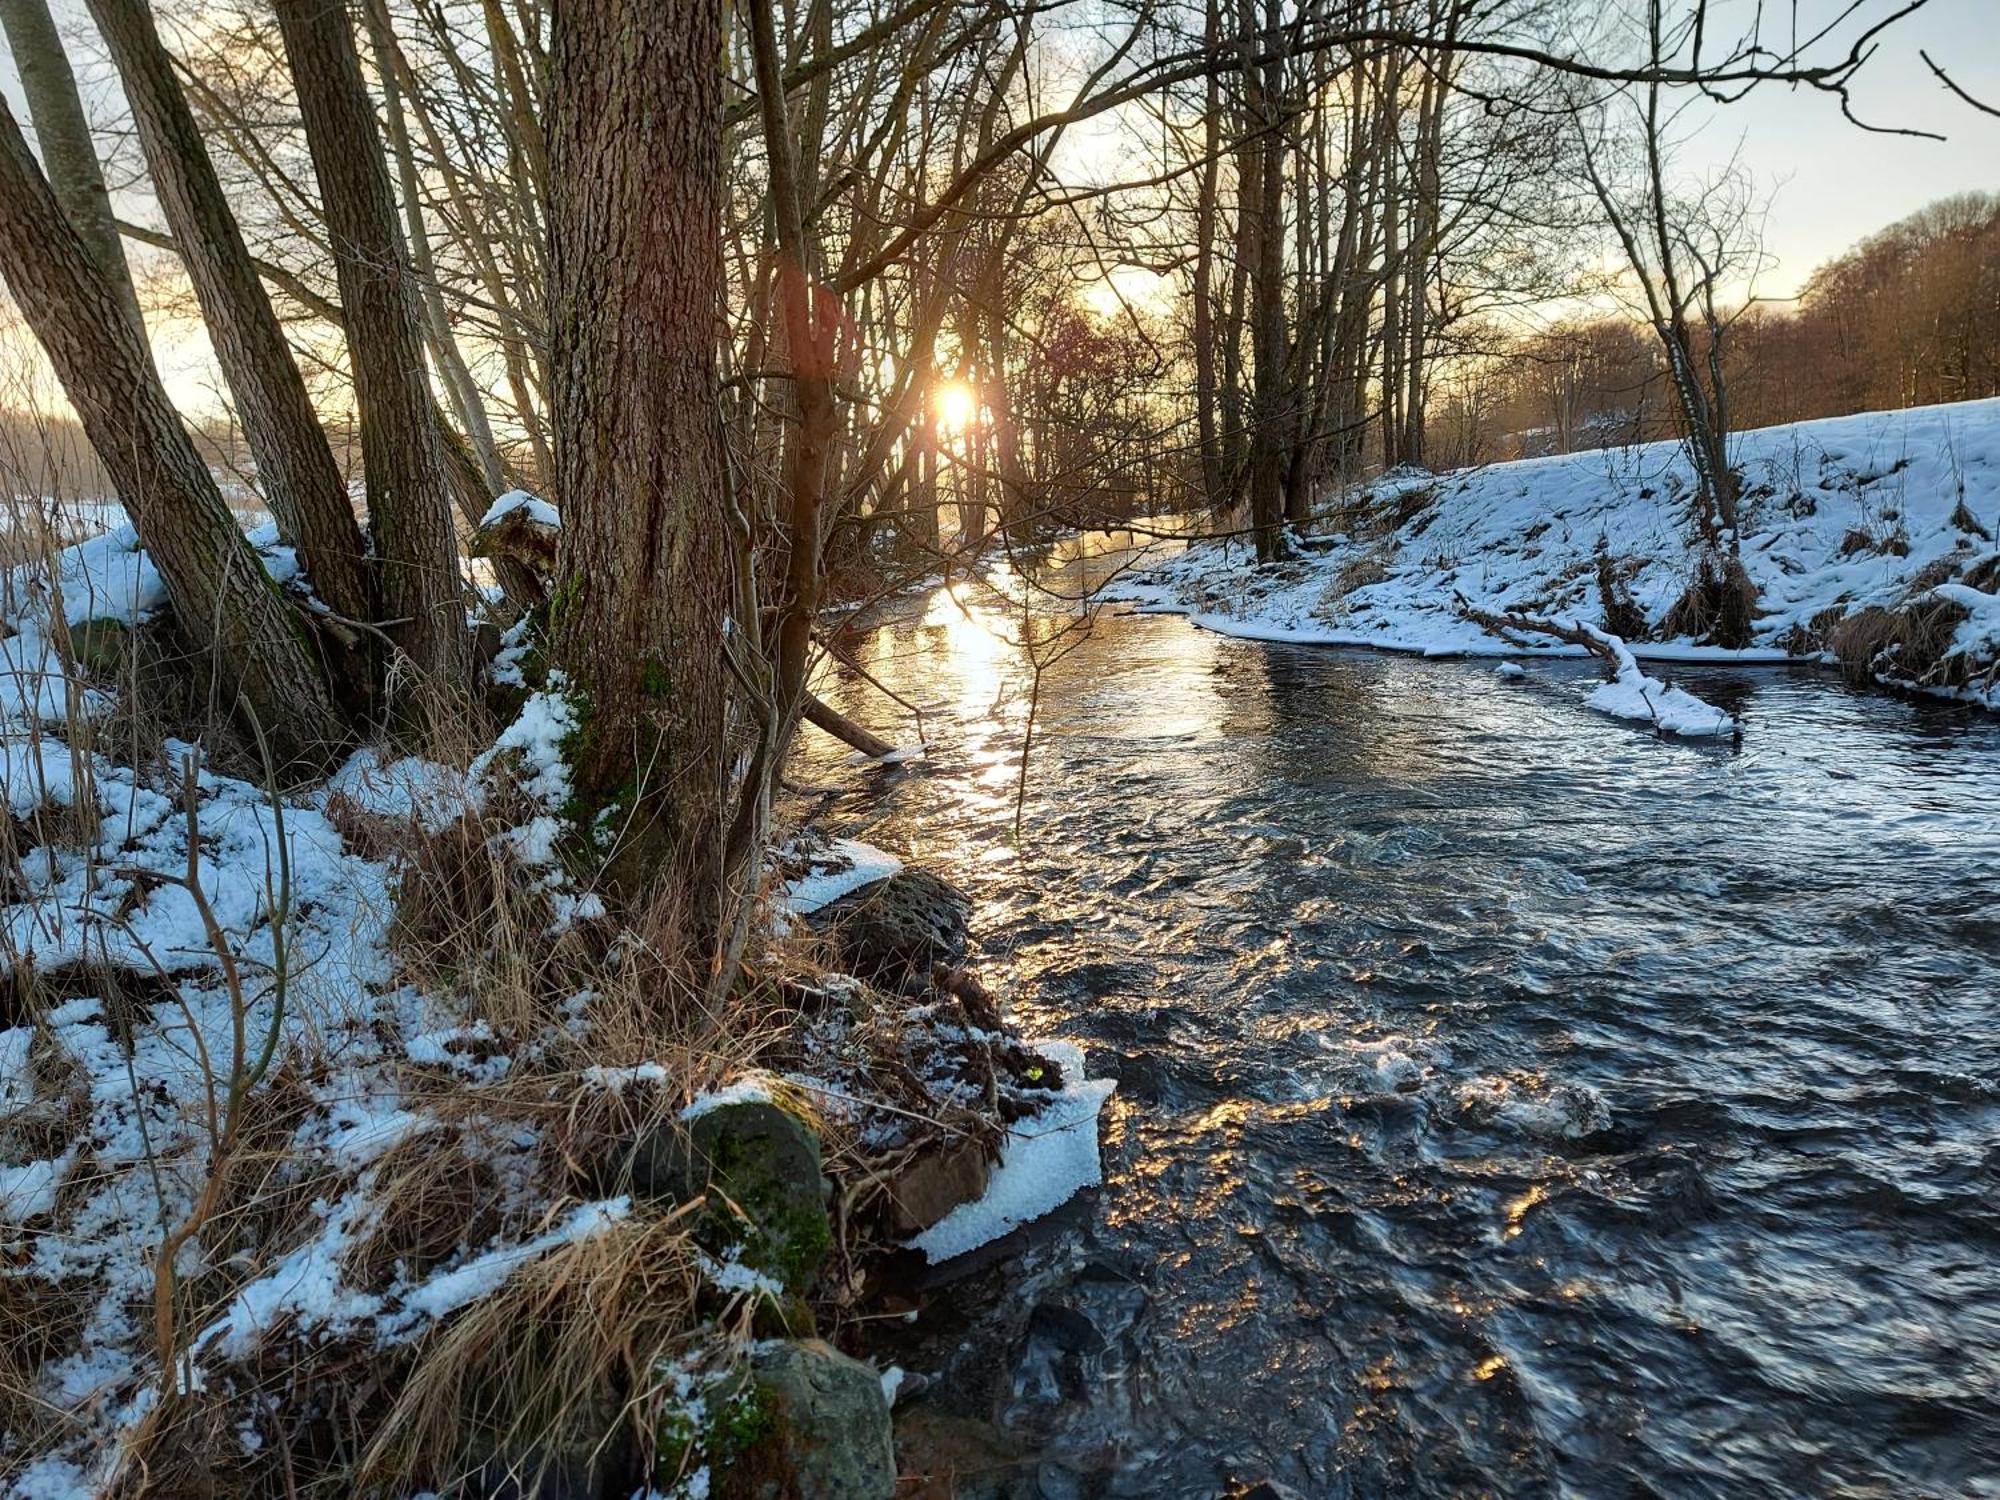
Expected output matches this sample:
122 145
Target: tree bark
644 601
402 452
1263 232
294 464
62 130
1204 273
225 602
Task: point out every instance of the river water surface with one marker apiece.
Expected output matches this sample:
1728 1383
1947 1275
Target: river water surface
1509 1102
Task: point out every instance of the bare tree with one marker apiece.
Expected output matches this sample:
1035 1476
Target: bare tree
222 597
295 467
409 482
62 129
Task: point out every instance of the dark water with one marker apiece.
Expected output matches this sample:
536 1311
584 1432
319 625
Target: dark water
1510 1103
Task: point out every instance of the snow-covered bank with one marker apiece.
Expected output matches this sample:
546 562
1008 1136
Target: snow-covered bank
333 1074
1876 512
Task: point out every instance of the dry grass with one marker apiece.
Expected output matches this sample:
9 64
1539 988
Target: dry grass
1907 644
1718 606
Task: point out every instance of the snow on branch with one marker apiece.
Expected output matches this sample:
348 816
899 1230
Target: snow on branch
1630 693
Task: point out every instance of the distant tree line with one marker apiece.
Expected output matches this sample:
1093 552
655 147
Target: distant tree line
1910 316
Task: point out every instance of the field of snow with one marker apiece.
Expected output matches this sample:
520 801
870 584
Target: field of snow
1880 509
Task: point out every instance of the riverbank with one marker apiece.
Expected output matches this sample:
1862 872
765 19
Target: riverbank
462 1187
1870 541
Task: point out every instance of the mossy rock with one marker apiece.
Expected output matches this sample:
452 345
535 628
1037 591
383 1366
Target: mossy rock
759 1165
896 929
101 647
825 1432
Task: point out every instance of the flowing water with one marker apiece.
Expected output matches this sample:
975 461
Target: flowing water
1509 1102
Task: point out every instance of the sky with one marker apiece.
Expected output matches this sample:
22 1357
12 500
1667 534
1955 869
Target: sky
1829 183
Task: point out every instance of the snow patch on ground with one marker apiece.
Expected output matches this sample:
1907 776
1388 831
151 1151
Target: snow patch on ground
1045 1161
1839 515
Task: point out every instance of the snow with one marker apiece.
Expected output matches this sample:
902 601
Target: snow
1978 635
538 510
1045 1161
617 1080
479 1277
1839 515
754 1088
1634 695
729 1275
407 789
844 866
29 1190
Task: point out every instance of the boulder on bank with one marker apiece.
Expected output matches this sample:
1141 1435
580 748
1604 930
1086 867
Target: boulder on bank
823 1429
102 647
758 1164
898 928
935 1182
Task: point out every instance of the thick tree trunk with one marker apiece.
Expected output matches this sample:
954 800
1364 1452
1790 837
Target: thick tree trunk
402 452
294 464
62 130
644 601
225 602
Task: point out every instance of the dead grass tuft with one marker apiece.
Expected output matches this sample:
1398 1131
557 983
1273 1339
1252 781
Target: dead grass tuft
1718 606
563 1360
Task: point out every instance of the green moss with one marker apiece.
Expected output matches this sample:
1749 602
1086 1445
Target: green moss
654 679
715 1434
563 600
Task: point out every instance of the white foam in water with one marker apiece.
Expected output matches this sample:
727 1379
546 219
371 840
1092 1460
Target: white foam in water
1562 1111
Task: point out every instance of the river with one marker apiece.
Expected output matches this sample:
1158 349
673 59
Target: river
1510 1102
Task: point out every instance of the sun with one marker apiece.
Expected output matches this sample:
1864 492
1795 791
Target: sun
957 406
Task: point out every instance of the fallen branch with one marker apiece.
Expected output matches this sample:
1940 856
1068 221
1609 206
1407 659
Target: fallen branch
1605 647
1628 693
822 716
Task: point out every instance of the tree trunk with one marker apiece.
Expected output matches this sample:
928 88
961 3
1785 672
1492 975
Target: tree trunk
643 604
225 602
1264 234
62 130
452 368
1204 274
409 488
295 467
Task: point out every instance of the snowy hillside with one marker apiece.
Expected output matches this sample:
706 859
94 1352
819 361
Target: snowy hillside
1880 512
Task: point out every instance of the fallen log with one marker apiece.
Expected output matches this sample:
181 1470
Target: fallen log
1628 692
822 716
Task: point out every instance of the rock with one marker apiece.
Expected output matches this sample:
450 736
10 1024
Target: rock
897 928
1263 1489
935 1183
759 1165
101 647
822 1432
